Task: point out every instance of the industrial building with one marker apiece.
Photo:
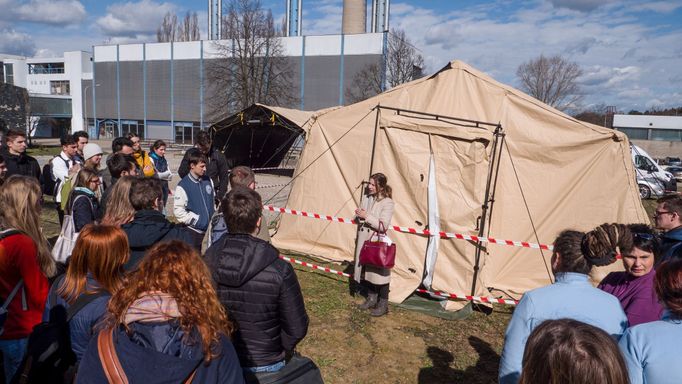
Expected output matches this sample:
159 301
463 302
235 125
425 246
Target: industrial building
164 90
660 136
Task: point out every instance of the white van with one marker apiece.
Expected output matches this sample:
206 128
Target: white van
652 179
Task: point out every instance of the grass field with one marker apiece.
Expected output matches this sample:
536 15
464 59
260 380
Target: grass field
403 347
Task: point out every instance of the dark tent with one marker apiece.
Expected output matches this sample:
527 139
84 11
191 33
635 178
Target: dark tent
259 136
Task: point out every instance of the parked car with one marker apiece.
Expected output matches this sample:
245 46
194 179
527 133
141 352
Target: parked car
670 161
676 170
652 179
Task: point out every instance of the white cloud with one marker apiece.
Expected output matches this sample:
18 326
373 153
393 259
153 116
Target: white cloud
51 12
134 21
579 5
626 61
16 43
658 6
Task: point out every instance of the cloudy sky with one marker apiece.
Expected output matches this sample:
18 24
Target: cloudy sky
630 51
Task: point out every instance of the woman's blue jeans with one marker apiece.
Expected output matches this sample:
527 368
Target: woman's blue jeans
12 353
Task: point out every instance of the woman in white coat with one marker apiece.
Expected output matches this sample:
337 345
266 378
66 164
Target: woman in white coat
375 209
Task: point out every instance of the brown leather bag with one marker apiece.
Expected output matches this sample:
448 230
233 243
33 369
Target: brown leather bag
112 366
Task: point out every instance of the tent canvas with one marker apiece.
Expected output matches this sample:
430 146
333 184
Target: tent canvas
552 172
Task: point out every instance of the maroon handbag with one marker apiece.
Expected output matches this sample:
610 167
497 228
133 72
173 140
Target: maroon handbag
377 253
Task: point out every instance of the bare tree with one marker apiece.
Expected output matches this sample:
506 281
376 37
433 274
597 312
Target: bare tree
552 80
167 29
403 63
251 67
172 30
188 30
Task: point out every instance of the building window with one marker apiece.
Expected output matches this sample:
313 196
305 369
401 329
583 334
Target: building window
9 74
665 134
185 132
134 126
61 87
636 133
45 68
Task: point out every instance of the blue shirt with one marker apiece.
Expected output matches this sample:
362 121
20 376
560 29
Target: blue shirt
571 296
651 351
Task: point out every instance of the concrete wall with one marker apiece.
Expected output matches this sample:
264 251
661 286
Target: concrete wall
660 149
321 69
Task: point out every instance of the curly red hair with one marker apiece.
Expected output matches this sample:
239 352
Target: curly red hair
176 269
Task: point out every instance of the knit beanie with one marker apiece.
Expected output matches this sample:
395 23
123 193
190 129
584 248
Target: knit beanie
90 150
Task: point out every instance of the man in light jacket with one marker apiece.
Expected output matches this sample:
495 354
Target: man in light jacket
194 198
63 167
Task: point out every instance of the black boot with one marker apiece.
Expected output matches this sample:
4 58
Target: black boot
381 308
370 302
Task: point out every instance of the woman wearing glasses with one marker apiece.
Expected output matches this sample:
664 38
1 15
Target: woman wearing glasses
634 287
83 203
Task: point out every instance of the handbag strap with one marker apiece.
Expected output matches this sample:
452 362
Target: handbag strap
107 355
112 365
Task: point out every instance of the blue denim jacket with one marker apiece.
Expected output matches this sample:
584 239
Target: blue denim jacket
571 296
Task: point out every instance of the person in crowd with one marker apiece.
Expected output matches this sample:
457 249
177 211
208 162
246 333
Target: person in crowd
149 226
668 218
166 325
64 166
652 349
95 268
634 287
571 296
25 265
216 165
92 155
83 204
119 210
142 159
118 165
259 289
375 211
3 169
82 139
122 145
570 351
193 199
16 159
239 176
158 156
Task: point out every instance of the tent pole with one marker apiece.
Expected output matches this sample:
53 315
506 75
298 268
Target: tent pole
490 183
374 142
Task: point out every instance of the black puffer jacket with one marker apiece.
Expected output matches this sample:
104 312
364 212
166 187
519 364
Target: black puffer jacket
22 164
261 293
148 228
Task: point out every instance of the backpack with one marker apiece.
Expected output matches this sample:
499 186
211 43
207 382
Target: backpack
47 182
49 358
65 193
6 302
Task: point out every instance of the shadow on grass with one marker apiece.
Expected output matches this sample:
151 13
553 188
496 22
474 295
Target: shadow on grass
485 370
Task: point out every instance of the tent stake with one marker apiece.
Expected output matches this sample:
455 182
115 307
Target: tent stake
491 183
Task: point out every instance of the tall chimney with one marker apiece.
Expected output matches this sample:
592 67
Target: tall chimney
354 15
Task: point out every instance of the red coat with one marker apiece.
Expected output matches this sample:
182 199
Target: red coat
19 259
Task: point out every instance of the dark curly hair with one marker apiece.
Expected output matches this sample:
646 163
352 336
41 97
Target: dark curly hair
581 251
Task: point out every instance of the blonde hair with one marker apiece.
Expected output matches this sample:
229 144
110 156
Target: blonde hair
20 199
119 210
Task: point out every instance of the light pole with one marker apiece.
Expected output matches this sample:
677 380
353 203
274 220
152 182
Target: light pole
85 109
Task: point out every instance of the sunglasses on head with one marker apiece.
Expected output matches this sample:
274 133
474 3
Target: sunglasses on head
643 236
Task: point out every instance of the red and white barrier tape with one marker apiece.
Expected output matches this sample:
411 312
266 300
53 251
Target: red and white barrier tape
489 300
449 235
316 267
271 185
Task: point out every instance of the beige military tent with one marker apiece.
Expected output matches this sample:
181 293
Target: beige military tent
435 139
